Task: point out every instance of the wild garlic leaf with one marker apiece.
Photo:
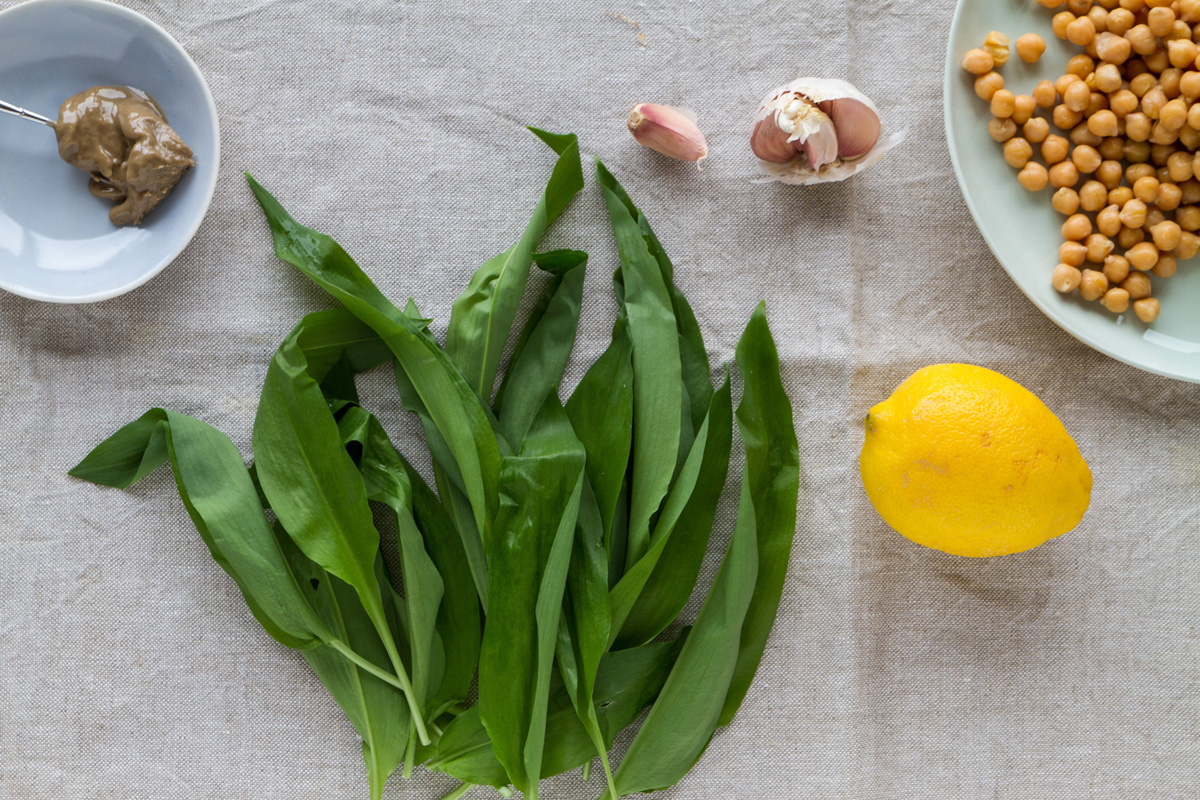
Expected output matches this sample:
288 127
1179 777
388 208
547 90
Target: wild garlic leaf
224 506
316 491
583 634
601 413
453 406
773 471
482 317
651 595
657 370
685 715
542 352
378 710
626 682
387 482
528 564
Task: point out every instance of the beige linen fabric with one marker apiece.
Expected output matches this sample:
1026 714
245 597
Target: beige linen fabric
129 665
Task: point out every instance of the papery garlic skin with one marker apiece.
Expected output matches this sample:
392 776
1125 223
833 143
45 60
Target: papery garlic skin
670 131
797 138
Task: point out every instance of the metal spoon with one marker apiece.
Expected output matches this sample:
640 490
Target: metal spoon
9 108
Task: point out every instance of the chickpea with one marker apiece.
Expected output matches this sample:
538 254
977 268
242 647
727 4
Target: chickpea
1188 218
1137 284
1080 135
1120 20
1109 174
1142 83
1160 153
1157 61
1153 102
1174 114
996 44
1160 21
1078 95
1120 196
1167 235
1136 152
1004 103
1001 130
1099 246
1180 30
1113 48
1063 174
1103 123
1023 108
1133 215
1189 85
1036 130
1092 285
1128 237
1182 52
1116 300
1059 23
1161 134
988 84
1050 3
1097 102
1064 118
1189 137
1153 217
1188 247
1108 222
1124 102
1106 78
1065 278
1055 149
1169 81
1169 197
1072 253
1017 152
1066 80
978 62
1045 95
1081 31
1079 7
1033 177
1191 189
1137 127
1081 66
1166 267
1142 256
1077 228
1193 115
1146 309
1189 10
1092 196
1145 188
1099 17
1112 148
1086 159
1141 39
1030 47
1116 269
1065 201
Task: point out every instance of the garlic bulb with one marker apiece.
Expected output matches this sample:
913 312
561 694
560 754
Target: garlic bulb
670 131
816 130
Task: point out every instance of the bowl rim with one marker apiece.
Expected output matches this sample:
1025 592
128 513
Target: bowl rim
948 81
209 190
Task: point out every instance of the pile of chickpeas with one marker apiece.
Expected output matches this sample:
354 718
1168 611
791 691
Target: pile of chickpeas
1124 166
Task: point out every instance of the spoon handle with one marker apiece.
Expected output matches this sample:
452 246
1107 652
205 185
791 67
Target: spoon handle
9 108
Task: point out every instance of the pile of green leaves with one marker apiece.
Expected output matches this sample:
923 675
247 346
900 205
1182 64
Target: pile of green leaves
561 542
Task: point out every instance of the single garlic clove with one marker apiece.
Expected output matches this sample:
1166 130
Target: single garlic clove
834 128
668 131
768 141
858 126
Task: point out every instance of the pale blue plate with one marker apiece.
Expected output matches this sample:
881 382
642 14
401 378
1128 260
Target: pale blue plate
1022 228
56 243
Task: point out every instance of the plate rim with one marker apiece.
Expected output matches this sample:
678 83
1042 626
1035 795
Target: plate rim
950 72
209 190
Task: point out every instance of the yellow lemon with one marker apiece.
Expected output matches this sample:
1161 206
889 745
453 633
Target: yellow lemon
964 460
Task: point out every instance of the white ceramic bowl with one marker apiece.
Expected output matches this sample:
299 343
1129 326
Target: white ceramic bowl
1022 228
56 242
